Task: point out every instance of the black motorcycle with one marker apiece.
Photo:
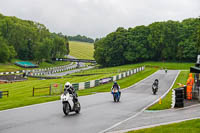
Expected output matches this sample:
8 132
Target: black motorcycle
155 86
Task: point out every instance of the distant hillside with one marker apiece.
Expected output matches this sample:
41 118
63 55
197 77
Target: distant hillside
80 38
81 50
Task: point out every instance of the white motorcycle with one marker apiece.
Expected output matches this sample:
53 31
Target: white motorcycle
68 104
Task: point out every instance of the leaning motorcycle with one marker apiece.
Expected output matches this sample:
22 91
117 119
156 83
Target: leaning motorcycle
68 104
116 94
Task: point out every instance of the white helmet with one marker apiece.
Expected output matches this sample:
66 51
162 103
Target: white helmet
67 85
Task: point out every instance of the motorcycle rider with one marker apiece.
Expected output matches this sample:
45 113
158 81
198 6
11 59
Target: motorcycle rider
155 84
165 70
71 90
115 85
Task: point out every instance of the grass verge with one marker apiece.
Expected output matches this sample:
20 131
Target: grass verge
190 126
167 100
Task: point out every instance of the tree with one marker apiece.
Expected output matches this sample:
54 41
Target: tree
59 47
43 50
28 40
136 49
109 50
170 41
4 51
81 38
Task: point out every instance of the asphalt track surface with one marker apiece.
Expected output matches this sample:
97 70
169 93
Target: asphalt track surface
98 112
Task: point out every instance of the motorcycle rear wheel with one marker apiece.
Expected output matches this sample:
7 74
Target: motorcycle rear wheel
154 91
78 108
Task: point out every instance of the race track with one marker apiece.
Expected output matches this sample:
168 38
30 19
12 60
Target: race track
98 113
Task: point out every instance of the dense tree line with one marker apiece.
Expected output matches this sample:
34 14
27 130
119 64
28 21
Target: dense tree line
28 40
80 38
159 41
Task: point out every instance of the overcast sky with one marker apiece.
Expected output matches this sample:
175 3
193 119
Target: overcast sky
97 18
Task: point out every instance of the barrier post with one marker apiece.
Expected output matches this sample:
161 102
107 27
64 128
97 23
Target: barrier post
50 90
33 91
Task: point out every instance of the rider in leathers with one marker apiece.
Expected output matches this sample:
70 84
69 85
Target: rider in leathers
71 90
115 85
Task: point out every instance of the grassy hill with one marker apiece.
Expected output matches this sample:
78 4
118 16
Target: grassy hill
81 50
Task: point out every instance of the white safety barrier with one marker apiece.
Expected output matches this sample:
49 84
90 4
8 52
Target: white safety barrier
93 83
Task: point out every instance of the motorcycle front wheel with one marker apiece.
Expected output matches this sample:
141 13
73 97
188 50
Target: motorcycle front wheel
115 97
154 91
66 108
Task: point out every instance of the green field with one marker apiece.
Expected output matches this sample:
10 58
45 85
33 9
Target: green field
167 100
191 126
81 50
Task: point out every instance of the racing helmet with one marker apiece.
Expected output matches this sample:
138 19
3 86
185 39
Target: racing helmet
67 85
